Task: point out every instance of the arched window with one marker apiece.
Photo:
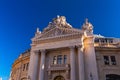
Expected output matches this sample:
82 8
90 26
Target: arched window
112 77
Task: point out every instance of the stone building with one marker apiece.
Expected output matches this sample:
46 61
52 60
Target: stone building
61 52
20 67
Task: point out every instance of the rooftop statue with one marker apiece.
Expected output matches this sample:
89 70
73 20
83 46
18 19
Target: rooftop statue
59 21
87 26
37 32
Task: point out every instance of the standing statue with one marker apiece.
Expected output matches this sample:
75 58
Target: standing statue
87 28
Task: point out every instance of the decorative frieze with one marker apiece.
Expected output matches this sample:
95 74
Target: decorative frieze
57 38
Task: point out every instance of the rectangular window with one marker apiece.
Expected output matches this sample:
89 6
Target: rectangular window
23 67
111 41
65 59
106 60
96 40
113 60
27 65
59 59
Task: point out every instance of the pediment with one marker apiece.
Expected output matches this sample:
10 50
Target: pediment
58 27
57 31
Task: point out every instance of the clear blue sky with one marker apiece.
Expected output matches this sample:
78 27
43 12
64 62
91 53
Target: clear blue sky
20 18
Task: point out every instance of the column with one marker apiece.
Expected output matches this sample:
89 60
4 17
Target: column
91 70
72 62
42 65
33 72
81 63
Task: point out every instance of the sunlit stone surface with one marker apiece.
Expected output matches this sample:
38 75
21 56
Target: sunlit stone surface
61 52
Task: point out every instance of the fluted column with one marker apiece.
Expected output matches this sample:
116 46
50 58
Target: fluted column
81 63
32 72
42 65
72 62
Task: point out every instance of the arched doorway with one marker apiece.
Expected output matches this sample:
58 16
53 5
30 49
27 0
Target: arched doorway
59 78
112 77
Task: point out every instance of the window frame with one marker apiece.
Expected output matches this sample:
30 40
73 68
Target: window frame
109 60
59 59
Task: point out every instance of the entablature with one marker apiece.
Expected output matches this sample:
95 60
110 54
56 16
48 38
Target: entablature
57 38
58 44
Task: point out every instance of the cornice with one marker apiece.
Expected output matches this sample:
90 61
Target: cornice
57 38
107 48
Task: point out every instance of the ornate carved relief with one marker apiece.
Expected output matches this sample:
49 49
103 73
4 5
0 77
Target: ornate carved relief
56 70
87 26
60 21
57 28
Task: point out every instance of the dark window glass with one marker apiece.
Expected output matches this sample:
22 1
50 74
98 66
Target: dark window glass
96 40
65 59
59 59
102 40
106 60
105 40
27 65
113 60
110 41
23 67
112 77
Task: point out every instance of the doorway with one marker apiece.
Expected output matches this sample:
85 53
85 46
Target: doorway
59 78
112 77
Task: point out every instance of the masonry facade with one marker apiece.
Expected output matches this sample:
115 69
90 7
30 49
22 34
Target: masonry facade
61 52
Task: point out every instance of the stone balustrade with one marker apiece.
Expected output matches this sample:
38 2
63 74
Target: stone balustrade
59 67
105 45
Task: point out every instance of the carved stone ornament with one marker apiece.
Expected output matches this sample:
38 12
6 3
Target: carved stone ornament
59 21
58 27
37 32
87 26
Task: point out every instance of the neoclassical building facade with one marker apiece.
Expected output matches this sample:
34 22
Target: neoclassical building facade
61 52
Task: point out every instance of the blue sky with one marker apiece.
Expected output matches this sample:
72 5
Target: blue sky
20 18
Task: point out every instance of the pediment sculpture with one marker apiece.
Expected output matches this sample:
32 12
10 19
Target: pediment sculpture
57 27
59 21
